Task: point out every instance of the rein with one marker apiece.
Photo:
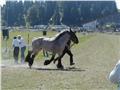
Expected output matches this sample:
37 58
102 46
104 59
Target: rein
72 45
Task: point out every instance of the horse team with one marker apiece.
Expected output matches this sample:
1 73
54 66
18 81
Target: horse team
59 44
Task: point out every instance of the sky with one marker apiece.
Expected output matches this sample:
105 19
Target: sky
117 1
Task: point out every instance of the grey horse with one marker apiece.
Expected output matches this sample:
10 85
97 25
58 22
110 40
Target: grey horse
56 45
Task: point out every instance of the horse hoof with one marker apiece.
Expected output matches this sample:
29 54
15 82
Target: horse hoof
30 67
72 64
60 67
46 62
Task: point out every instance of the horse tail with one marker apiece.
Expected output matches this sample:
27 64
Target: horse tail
28 56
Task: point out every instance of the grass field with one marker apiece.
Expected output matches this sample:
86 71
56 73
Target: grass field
95 56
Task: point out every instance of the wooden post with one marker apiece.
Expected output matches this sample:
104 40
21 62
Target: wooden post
28 41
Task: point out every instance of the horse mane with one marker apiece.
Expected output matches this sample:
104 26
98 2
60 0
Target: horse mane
61 34
56 37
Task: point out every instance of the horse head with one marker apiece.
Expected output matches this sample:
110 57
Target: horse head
73 37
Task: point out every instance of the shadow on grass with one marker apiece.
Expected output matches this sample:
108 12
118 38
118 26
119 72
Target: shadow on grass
73 69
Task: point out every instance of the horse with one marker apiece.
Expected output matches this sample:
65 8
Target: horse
66 50
55 44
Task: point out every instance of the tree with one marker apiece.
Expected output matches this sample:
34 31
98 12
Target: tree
55 12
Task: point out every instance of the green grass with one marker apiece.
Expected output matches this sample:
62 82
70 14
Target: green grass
84 38
95 56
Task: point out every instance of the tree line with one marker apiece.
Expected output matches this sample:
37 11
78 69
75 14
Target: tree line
76 13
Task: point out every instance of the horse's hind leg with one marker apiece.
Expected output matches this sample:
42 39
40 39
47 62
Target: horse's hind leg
64 52
49 61
32 60
28 56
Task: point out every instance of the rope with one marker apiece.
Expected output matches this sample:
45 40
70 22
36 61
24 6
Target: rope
72 45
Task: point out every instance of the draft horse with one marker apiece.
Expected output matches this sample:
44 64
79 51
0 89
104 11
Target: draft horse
66 50
56 45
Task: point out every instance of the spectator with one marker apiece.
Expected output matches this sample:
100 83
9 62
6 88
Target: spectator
15 45
22 47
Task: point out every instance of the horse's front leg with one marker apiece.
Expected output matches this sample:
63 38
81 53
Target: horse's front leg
49 61
71 56
59 65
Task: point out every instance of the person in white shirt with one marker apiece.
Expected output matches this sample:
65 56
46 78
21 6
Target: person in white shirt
15 44
22 46
114 75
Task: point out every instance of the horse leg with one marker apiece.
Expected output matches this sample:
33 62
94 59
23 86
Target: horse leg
55 60
59 65
49 61
28 56
65 50
71 56
30 63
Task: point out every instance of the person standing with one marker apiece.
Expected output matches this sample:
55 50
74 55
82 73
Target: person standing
15 44
22 47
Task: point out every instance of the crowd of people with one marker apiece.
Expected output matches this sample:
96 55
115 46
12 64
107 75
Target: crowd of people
19 45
